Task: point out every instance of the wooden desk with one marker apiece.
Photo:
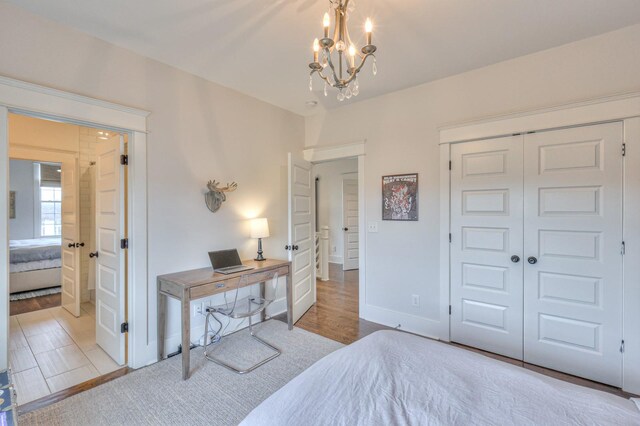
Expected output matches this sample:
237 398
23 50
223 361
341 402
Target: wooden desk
198 283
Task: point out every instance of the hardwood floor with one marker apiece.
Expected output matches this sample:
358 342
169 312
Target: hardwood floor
335 316
34 304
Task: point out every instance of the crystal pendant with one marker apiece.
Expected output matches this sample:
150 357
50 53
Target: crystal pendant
326 86
311 83
340 96
356 84
355 91
374 67
348 93
324 62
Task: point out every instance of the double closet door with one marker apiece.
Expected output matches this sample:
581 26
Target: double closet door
536 251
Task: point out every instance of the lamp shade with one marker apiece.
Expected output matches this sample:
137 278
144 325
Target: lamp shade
259 228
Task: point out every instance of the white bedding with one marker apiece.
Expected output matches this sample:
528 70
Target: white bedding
36 265
394 378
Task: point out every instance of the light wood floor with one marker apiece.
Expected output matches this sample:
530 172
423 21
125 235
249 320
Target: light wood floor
335 316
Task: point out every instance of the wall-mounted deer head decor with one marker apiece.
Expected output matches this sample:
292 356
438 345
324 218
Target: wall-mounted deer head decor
216 195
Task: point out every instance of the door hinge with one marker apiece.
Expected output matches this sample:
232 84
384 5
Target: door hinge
623 249
124 327
449 309
449 165
124 243
622 346
449 237
124 160
624 149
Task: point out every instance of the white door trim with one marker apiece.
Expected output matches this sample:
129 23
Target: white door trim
38 101
319 154
624 108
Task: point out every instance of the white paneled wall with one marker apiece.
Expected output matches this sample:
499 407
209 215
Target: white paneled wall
87 155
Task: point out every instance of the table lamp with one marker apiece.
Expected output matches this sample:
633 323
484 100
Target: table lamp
259 230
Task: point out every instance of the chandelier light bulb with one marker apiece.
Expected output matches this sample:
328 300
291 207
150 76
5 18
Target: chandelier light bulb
352 57
316 49
326 22
368 28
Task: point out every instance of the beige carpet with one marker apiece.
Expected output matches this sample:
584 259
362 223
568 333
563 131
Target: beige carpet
156 395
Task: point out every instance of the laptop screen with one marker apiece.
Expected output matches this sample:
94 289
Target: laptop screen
224 258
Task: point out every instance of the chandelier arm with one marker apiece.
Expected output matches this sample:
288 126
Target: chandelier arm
357 70
333 69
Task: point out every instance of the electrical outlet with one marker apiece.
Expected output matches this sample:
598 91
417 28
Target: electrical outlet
372 227
415 300
197 309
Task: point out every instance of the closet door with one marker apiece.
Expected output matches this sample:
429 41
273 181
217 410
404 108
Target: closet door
486 245
573 262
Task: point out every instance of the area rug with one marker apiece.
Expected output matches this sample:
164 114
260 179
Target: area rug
213 395
34 293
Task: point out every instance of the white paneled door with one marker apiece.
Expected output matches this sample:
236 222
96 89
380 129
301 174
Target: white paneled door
110 281
70 298
350 230
536 253
301 242
573 233
486 232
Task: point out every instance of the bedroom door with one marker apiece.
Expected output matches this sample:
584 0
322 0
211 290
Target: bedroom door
301 242
486 245
70 297
110 312
573 233
350 220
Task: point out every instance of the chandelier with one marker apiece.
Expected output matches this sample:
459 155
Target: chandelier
341 72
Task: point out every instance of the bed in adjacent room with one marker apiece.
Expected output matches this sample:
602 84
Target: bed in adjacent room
34 264
390 377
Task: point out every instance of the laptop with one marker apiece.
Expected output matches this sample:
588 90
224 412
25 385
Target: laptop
227 262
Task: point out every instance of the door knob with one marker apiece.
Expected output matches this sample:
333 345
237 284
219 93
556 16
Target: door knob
294 247
532 260
95 254
72 245
345 229
515 258
287 247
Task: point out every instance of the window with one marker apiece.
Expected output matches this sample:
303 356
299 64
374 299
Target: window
50 211
48 194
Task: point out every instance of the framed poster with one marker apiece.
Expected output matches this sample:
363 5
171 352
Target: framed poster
400 197
12 204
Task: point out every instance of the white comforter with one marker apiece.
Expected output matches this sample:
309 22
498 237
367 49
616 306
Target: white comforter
394 378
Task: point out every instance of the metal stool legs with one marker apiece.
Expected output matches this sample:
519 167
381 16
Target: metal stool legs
210 357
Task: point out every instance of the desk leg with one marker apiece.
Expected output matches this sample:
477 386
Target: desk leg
162 318
289 301
186 334
263 294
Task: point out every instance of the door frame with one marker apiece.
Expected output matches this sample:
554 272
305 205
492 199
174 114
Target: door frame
320 154
624 108
42 102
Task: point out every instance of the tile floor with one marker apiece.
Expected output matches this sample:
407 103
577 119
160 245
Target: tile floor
51 350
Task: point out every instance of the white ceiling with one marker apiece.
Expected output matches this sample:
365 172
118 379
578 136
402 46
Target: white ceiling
262 47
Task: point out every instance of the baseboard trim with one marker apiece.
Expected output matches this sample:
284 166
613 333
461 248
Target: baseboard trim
414 324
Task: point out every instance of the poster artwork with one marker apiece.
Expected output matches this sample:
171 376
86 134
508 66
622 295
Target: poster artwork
400 197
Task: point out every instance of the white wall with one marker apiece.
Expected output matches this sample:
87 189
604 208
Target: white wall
22 181
401 130
330 201
198 131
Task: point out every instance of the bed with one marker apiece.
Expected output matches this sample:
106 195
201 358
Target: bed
34 264
394 378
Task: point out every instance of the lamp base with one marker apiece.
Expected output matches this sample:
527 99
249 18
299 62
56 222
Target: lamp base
260 257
